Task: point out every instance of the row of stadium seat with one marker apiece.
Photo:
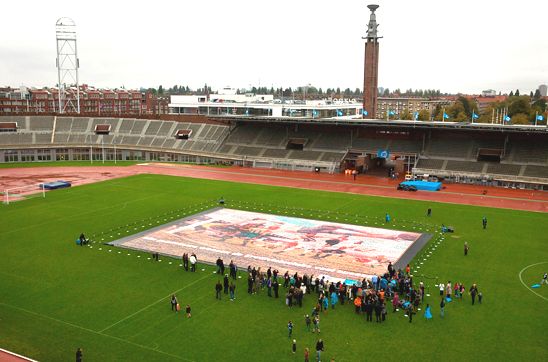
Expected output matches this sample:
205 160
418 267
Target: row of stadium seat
488 168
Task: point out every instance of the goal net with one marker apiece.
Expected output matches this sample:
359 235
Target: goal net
23 193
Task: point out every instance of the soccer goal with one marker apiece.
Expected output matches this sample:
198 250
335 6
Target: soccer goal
23 193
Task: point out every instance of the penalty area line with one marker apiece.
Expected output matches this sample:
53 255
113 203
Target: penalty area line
525 285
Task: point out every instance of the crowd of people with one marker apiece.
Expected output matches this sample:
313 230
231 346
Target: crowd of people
370 296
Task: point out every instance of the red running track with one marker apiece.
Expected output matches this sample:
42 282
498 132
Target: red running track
367 185
6 356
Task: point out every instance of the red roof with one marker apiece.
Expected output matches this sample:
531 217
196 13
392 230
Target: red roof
491 99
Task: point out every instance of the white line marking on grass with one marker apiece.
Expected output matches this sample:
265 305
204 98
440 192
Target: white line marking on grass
152 304
94 332
525 285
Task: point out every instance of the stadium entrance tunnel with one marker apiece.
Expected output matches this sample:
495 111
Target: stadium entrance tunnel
381 163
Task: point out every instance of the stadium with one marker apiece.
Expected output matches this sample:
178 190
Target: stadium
218 232
113 299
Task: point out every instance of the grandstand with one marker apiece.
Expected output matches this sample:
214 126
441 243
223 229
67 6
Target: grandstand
510 156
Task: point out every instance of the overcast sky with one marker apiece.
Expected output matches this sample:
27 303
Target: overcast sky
452 45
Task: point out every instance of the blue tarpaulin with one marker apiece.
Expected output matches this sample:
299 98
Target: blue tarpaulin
56 185
424 185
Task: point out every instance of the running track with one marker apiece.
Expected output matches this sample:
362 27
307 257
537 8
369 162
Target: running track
366 185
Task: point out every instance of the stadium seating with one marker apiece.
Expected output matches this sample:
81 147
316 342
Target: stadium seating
503 169
267 144
41 123
80 125
248 151
370 144
272 136
465 166
536 171
408 146
526 152
42 138
449 147
275 153
332 157
430 164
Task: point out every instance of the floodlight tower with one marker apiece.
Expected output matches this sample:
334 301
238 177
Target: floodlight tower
67 64
371 65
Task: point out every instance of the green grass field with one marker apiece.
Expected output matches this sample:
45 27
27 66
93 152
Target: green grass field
56 296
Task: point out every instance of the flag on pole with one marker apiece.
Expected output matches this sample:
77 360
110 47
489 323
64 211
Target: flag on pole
416 116
314 113
445 115
474 115
247 112
540 118
507 118
339 113
391 113
364 112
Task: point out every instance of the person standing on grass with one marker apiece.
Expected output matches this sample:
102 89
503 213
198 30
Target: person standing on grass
275 286
429 212
307 321
466 248
442 288
225 284
410 312
442 307
218 289
269 287
79 355
427 312
544 279
289 329
484 222
316 324
232 268
319 350
294 347
193 261
473 292
448 290
232 289
378 311
174 303
395 302
185 261
306 355
188 315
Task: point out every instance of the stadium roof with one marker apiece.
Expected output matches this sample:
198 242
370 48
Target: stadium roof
542 129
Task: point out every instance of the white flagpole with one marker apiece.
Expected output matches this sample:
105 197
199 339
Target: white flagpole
536 118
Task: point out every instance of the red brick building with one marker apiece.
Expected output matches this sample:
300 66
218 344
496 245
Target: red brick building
104 102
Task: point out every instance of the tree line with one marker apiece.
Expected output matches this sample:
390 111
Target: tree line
310 92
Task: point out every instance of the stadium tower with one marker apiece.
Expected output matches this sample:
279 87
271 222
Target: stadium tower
67 65
371 66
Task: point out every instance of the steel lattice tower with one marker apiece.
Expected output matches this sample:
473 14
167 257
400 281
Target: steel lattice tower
67 64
